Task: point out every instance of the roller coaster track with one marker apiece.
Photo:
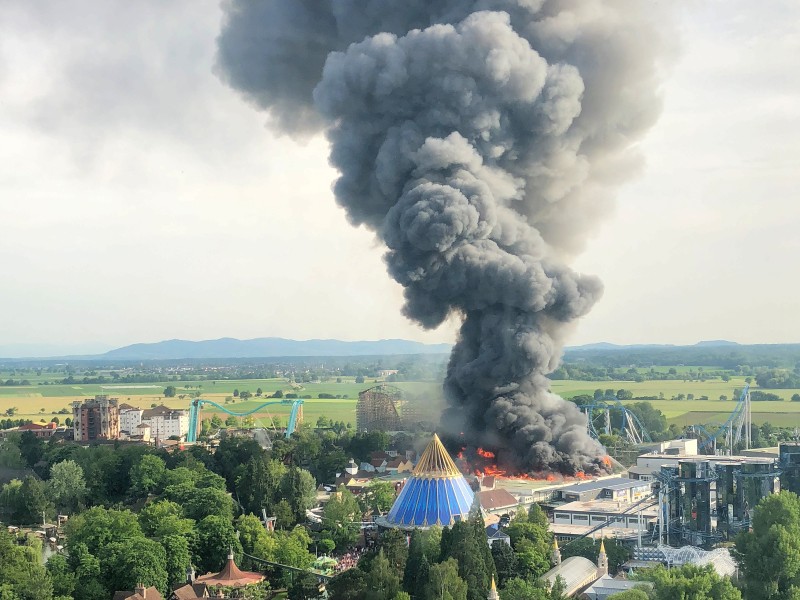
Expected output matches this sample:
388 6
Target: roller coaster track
194 409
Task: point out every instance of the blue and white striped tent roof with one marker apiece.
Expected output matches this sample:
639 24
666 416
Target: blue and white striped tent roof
435 494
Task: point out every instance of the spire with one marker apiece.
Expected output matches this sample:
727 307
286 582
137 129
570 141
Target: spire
555 555
602 560
493 595
436 462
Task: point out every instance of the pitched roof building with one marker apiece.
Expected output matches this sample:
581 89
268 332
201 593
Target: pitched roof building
230 576
139 593
435 494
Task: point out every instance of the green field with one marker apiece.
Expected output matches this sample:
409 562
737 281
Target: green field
41 402
30 400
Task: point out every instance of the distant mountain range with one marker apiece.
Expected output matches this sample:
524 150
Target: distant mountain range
609 346
268 348
271 347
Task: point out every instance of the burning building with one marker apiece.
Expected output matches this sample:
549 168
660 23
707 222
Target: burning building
479 146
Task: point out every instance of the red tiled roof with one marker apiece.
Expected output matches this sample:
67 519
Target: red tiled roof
191 591
150 593
231 576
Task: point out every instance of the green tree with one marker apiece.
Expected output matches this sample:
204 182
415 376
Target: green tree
61 575
521 589
383 583
769 555
532 542
341 517
690 581
634 594
537 516
31 502
300 489
466 543
394 545
350 585
178 558
506 563
258 485
97 527
86 568
444 583
170 391
590 548
134 560
147 475
416 553
284 515
215 538
67 485
22 577
163 518
304 587
255 539
378 497
31 448
292 548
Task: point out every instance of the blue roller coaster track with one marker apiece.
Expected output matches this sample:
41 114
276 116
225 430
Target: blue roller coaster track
734 430
194 409
630 425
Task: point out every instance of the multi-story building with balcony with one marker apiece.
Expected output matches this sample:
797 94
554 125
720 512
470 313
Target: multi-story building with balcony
96 419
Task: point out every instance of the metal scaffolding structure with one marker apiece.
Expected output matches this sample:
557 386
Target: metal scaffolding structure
377 409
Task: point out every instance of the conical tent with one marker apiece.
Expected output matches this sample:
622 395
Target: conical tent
435 494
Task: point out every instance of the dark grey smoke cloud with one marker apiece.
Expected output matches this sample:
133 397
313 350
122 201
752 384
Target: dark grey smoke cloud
480 140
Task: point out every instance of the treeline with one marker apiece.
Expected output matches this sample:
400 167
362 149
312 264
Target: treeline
587 372
730 357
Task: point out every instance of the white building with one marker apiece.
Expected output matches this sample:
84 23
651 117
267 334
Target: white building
165 422
129 418
575 518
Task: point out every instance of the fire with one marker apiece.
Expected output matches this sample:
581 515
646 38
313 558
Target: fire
485 453
606 460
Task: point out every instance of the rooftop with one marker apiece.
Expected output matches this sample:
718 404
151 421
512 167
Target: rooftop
614 483
230 576
623 533
496 499
576 571
611 507
435 494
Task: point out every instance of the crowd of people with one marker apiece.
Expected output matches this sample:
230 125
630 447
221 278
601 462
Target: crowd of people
349 559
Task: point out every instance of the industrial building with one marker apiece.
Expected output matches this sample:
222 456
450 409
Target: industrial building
708 499
96 419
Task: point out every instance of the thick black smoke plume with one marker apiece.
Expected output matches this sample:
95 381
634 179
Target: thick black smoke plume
480 140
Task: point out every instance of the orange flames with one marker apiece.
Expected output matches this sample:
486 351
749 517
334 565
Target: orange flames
483 465
607 460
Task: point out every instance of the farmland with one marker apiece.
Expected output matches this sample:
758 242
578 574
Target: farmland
40 401
36 402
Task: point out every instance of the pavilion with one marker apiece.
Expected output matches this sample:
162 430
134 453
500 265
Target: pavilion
435 494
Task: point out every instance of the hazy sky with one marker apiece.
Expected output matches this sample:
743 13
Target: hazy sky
141 199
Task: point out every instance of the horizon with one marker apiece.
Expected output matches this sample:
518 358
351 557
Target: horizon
78 351
120 235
